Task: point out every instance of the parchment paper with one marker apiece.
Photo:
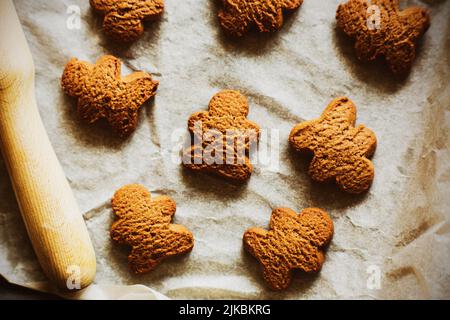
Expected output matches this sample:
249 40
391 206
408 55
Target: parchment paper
399 229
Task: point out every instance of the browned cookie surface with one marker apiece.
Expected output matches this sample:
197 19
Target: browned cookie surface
293 241
238 16
222 137
381 29
123 19
103 93
340 149
144 223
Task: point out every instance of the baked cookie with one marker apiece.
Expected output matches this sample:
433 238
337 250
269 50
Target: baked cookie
123 19
103 93
221 138
340 149
238 16
293 241
145 225
380 29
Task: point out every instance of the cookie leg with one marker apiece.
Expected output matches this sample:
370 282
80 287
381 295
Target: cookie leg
256 243
180 240
400 56
88 111
322 169
302 136
141 260
359 178
276 275
125 122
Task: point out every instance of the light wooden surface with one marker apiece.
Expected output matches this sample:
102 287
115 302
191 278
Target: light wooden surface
51 215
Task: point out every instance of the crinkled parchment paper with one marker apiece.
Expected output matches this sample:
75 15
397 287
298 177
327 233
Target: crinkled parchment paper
399 230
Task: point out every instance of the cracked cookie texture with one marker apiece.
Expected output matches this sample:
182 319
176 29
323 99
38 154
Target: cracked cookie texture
293 242
144 224
340 150
381 29
103 93
238 16
123 19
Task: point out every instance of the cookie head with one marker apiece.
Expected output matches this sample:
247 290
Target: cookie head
340 150
381 29
293 242
123 19
222 138
144 224
103 94
238 16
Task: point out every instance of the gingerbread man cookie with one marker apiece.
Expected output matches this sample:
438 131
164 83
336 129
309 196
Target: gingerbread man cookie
340 149
123 19
103 93
293 242
222 137
381 29
238 16
144 223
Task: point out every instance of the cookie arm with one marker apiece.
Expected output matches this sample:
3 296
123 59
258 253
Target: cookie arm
166 205
139 88
365 139
302 136
197 121
254 240
340 111
416 20
74 77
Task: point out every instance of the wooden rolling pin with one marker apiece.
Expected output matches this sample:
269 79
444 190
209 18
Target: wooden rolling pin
51 215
